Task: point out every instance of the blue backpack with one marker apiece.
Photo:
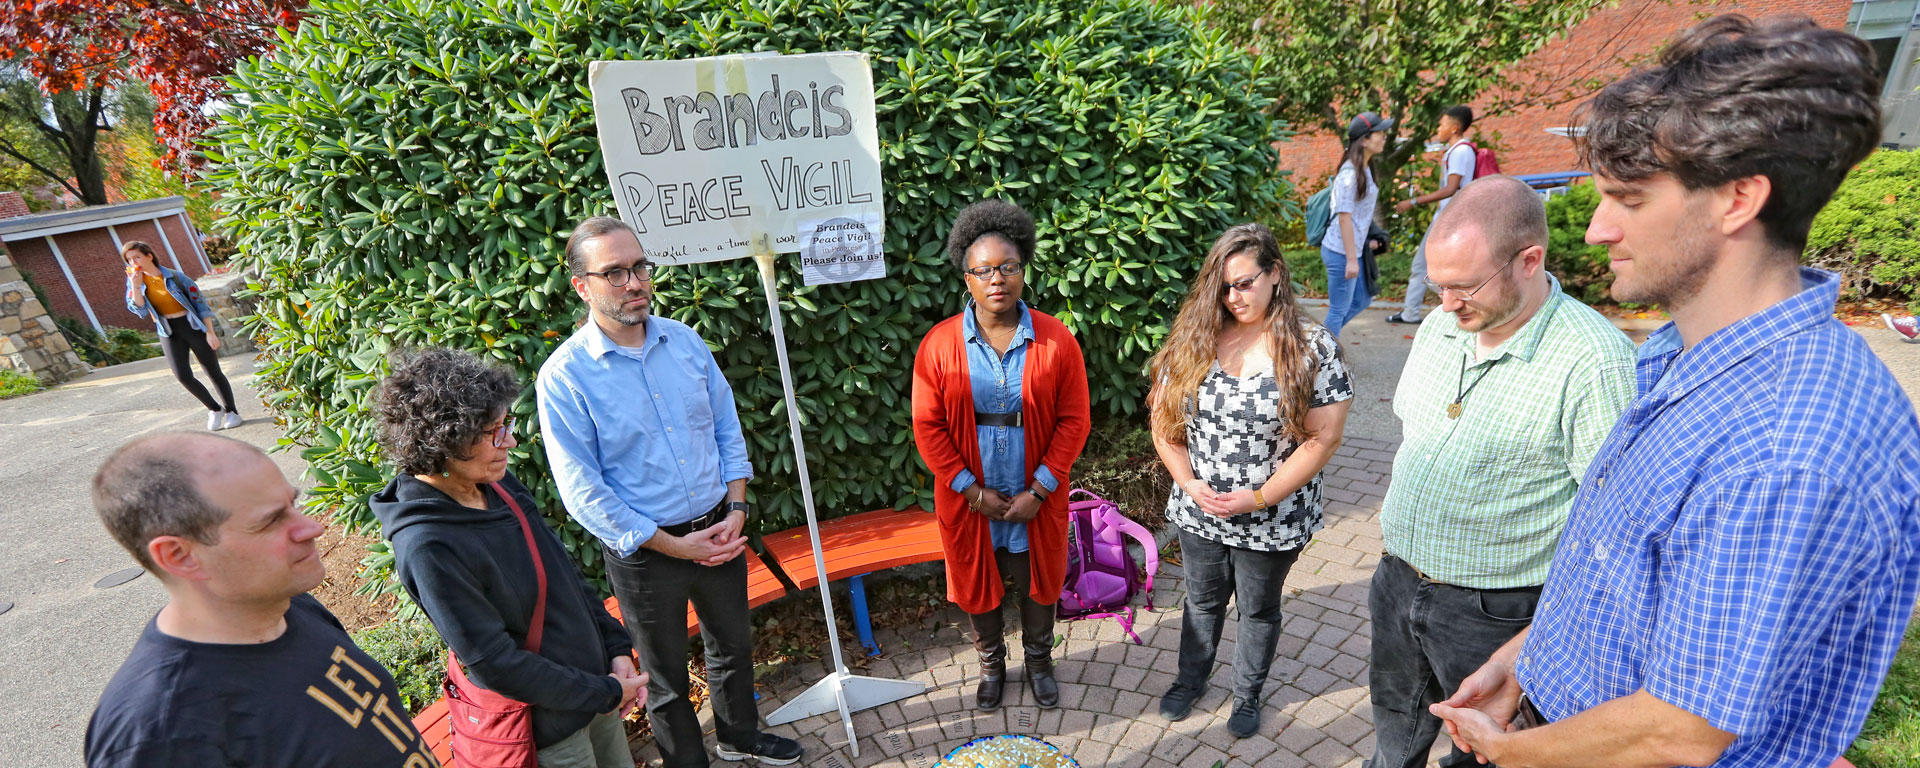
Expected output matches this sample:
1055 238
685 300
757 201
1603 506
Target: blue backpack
1319 215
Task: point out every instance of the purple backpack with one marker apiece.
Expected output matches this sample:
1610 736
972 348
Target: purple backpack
1101 575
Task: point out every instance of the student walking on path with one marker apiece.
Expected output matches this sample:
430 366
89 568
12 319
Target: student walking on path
1456 171
184 322
1352 202
1248 405
1000 414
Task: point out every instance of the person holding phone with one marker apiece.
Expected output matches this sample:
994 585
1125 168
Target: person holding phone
185 324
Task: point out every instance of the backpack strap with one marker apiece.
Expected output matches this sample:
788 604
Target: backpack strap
1140 534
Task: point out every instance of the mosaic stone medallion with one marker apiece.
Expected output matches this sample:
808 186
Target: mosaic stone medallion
1009 751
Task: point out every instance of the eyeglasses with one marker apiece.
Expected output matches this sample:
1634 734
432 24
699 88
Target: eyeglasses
1009 269
1244 286
618 276
502 432
1467 295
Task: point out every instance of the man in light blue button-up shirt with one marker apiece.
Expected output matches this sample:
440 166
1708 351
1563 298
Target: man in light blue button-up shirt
645 446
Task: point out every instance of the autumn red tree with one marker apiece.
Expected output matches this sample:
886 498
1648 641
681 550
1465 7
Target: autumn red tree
77 50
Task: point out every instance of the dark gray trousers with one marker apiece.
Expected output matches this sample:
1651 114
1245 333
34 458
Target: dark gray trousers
1427 637
1254 580
653 590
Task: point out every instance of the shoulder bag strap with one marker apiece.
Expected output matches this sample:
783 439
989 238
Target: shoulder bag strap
539 624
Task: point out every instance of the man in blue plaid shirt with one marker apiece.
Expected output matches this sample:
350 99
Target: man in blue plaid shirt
1740 563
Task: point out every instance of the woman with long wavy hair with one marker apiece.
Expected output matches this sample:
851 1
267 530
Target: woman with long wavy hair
1248 403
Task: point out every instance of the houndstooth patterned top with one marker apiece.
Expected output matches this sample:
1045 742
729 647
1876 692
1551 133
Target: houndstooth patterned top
1235 442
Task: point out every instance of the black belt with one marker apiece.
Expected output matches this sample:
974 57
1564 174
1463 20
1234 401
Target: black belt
997 419
708 520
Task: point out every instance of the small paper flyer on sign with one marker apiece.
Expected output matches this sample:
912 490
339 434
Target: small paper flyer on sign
842 249
728 156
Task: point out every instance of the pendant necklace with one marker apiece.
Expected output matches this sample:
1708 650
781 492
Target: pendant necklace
1459 393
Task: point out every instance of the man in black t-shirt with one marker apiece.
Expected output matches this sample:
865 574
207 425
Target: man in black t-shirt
241 667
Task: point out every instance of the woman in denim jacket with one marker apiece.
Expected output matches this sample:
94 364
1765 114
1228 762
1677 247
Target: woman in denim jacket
184 323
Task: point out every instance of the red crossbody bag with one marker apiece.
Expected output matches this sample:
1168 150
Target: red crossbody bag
491 730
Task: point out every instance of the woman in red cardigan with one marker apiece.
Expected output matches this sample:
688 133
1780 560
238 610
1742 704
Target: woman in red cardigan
1000 415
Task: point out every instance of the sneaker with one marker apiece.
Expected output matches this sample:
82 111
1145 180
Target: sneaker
769 749
233 420
216 421
1245 720
1178 703
1905 326
1402 319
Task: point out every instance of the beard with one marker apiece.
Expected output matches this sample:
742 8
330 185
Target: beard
612 307
1672 277
1496 315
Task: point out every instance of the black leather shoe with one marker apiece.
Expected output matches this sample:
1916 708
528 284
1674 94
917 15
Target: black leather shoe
1401 318
993 687
1046 692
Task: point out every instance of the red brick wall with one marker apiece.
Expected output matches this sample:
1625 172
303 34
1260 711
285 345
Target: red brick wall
96 265
12 204
1630 30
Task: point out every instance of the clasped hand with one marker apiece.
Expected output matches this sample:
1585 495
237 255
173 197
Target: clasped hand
994 505
1221 505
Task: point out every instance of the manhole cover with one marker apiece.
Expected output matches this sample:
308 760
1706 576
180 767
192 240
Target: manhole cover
4 607
118 578
1009 751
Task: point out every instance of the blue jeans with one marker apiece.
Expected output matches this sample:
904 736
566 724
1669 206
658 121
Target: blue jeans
1345 298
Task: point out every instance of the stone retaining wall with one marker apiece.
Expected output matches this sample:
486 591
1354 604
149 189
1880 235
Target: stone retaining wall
30 342
218 291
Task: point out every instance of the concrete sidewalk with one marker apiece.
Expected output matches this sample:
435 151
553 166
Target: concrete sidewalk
63 639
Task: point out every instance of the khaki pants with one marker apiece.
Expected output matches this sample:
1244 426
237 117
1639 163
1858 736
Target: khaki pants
602 744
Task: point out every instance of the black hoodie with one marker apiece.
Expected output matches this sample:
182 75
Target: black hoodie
470 571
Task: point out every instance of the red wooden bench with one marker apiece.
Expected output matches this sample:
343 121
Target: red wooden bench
854 547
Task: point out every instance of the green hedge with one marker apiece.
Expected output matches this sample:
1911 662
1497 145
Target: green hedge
1870 232
407 171
413 653
1582 268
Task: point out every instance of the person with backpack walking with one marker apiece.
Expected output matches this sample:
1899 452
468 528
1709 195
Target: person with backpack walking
1458 167
1249 401
1350 201
1000 414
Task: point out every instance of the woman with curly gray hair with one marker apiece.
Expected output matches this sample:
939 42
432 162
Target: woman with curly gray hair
465 550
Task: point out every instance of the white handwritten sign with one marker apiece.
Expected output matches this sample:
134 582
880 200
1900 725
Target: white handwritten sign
724 157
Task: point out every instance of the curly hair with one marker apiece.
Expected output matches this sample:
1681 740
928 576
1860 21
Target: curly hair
435 403
991 218
1732 98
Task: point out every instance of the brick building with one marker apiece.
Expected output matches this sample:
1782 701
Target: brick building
1534 139
74 255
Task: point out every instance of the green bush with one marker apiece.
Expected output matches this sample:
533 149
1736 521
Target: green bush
413 653
1870 231
407 173
15 384
1582 268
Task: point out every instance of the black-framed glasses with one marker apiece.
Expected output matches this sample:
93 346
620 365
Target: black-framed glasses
1009 269
618 276
1245 285
1467 295
502 432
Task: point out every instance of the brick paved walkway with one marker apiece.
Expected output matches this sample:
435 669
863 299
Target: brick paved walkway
1317 712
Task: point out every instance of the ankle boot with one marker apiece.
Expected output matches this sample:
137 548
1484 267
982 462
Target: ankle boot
1036 642
989 639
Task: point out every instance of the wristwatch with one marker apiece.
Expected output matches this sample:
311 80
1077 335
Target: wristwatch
736 506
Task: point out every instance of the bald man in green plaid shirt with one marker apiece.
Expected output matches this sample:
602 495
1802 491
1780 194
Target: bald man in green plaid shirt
1507 395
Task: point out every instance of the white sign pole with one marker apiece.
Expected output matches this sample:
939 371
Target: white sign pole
839 690
723 157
